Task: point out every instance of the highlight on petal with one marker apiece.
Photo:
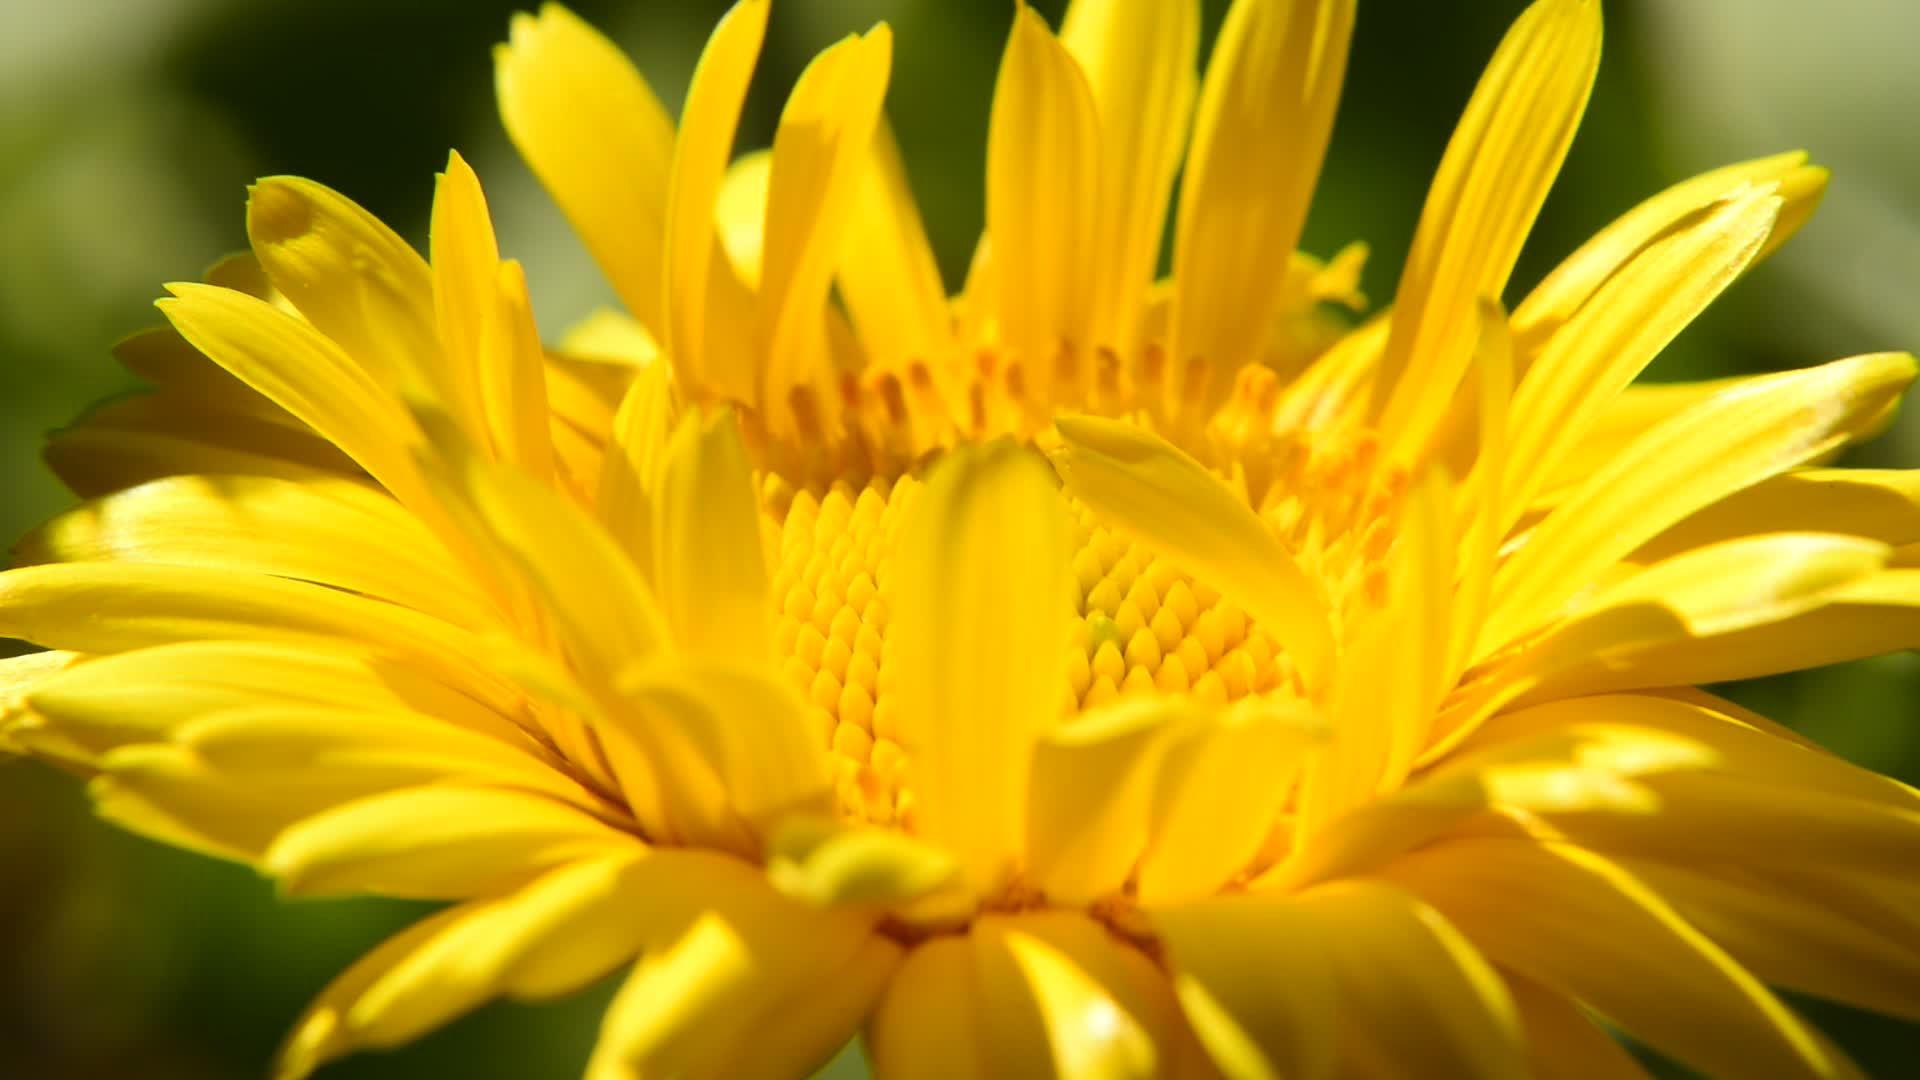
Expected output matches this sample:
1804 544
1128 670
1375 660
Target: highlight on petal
1584 927
1444 1013
1045 994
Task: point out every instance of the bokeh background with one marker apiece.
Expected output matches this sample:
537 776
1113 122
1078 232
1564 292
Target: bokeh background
129 129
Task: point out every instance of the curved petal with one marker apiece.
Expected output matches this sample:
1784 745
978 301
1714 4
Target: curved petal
1147 488
1044 994
438 842
1372 975
1584 927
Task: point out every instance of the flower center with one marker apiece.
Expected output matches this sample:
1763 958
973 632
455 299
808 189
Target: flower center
1140 626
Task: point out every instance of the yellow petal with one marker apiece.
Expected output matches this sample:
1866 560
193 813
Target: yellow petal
108 607
1486 493
1607 343
981 620
598 139
740 213
1601 770
1728 442
1043 160
1582 926
1879 504
1138 57
1792 942
512 376
464 259
358 283
149 694
1220 790
630 478
449 963
1563 1043
707 560
742 962
330 531
1745 603
1498 166
1265 114
306 374
187 378
1580 275
1042 994
886 273
1372 974
446 841
1092 789
274 743
700 154
1146 488
747 725
825 135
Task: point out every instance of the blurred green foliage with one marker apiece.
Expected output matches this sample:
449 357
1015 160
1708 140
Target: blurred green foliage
130 132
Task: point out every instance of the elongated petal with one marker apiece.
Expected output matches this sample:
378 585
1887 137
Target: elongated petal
707 126
1046 994
136 440
630 478
1584 927
1878 504
1725 443
707 560
739 972
1792 942
1148 489
358 283
333 532
305 373
1373 975
1139 60
511 372
465 256
1498 166
438 842
819 151
1574 281
1043 158
516 945
598 139
1260 134
108 607
1611 339
149 694
981 621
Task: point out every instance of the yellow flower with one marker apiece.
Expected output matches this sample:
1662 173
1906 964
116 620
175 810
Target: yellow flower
1082 676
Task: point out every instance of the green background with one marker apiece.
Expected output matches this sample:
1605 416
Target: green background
129 128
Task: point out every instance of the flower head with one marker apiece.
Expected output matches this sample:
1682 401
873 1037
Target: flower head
1083 675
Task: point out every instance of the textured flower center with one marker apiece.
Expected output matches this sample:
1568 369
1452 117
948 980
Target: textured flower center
1140 626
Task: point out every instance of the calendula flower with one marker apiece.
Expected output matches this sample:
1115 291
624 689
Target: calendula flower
1084 675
